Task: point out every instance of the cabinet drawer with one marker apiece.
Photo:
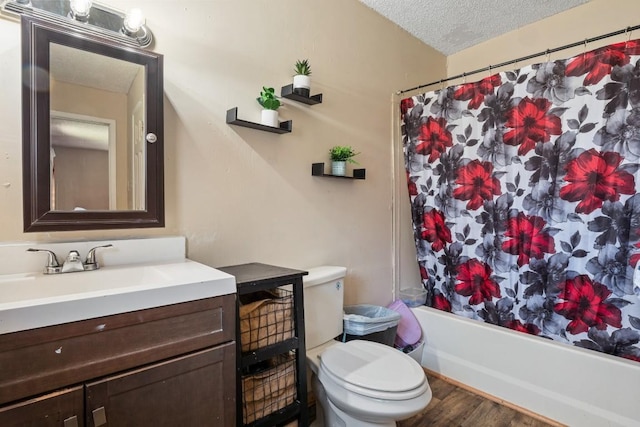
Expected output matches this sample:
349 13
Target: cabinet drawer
44 359
50 410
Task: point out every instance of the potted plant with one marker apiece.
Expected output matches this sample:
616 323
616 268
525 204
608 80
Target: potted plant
301 80
270 105
340 156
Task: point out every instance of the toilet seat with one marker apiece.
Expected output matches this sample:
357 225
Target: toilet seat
374 370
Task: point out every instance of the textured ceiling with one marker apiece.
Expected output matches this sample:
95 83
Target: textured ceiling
453 25
92 70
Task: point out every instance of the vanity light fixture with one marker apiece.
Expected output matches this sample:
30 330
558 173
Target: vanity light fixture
128 29
133 22
80 10
133 26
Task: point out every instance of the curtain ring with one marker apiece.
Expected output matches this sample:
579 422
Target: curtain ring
489 70
548 53
628 31
441 84
464 77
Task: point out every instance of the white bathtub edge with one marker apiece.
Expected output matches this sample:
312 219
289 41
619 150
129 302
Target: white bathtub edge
508 365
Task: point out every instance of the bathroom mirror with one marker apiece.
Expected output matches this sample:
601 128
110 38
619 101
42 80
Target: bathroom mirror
92 131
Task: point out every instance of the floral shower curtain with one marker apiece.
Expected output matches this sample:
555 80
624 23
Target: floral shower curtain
525 198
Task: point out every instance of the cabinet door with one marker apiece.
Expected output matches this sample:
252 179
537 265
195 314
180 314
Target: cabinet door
64 408
193 390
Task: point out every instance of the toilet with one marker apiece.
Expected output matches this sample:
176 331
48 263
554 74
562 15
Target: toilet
358 383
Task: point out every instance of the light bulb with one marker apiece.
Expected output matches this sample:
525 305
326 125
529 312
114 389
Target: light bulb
133 21
80 9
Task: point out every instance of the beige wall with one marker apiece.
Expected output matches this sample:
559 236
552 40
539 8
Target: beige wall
589 20
241 195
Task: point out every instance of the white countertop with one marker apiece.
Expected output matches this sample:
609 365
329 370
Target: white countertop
31 300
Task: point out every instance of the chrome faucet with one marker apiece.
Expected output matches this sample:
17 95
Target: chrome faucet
90 263
72 262
53 266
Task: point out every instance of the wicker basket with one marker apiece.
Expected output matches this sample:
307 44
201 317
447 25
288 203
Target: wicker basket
266 321
266 392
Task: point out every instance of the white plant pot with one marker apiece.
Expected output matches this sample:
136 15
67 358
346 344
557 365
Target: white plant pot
338 168
301 82
270 118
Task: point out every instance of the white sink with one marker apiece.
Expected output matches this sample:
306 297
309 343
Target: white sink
33 300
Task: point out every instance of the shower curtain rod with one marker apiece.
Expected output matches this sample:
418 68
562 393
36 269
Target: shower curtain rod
524 58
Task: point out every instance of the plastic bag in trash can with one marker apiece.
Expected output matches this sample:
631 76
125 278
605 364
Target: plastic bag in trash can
365 319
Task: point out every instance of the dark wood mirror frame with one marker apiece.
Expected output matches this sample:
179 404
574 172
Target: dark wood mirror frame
37 35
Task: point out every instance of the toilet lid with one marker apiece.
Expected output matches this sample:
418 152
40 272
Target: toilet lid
373 366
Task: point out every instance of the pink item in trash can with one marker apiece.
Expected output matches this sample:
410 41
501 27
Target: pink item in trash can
409 331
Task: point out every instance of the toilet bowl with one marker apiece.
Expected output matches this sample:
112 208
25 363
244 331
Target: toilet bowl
357 383
362 383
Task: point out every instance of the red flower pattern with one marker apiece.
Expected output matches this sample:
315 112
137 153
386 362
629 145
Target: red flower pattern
633 259
519 226
528 328
476 282
584 304
423 273
413 190
476 184
531 123
598 63
593 178
405 105
434 138
529 240
631 357
441 303
434 230
475 92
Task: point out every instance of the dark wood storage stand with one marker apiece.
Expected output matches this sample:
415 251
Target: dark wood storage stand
255 277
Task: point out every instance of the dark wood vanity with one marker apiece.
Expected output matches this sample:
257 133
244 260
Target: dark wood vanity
166 366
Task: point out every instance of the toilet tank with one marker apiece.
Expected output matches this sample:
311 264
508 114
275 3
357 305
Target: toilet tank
323 298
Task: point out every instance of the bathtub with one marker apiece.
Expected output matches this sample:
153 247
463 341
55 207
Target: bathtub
568 384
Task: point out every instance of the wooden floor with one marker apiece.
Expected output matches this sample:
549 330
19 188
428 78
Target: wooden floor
453 406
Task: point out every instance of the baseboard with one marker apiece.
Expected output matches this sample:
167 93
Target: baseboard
492 398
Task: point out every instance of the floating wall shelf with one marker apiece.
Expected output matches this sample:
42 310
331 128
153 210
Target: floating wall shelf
289 93
317 169
232 119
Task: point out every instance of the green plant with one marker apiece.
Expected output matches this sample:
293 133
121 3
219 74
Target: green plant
268 99
342 154
303 68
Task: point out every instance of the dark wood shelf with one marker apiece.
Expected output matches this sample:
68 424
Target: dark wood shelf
232 119
289 93
279 417
317 169
252 357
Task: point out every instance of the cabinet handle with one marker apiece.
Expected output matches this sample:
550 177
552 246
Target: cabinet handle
99 417
71 422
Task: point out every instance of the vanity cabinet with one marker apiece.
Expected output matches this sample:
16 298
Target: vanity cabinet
165 366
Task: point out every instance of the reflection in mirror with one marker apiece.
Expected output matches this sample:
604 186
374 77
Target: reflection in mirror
92 131
89 173
81 174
